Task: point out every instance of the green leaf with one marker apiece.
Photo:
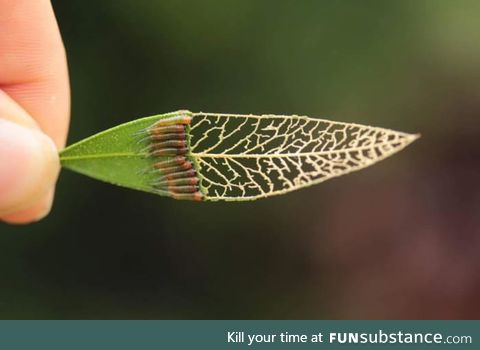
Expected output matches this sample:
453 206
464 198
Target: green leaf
116 155
207 156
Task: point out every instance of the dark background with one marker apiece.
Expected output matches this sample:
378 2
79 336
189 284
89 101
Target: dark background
398 240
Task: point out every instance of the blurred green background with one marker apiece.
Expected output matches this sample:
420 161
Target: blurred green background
398 240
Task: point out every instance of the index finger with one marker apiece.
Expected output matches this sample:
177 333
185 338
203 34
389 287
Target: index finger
33 68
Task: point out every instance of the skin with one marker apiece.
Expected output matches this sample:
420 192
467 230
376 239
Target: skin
34 108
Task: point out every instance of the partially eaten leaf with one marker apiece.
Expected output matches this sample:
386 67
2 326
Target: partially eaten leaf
208 156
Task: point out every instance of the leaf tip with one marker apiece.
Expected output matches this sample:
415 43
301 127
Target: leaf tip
413 137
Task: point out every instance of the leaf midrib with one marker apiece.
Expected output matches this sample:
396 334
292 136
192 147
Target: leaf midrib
223 155
103 155
402 143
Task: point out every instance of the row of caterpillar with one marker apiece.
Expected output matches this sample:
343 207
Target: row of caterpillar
177 176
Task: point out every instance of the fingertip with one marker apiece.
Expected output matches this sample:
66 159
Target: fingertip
30 166
35 213
33 66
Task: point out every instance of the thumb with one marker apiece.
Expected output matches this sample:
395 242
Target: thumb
29 166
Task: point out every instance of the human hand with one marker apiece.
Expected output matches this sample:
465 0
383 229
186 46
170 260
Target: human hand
34 108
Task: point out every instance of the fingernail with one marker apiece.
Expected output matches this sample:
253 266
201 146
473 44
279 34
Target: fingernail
29 167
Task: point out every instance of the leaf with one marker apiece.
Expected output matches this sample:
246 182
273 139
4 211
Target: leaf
116 155
207 156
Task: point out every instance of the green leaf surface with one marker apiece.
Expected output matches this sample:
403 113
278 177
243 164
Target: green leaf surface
116 155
